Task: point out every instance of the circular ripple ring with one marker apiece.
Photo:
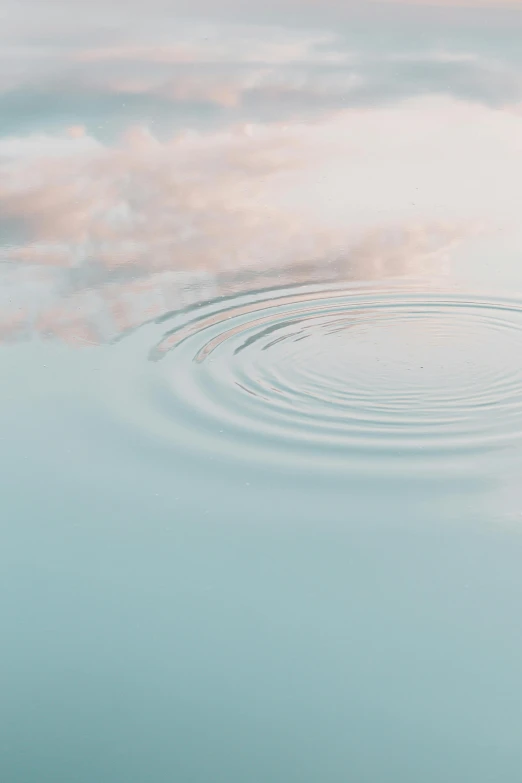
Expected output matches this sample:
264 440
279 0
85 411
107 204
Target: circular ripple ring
344 377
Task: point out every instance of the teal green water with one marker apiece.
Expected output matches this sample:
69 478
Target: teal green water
261 394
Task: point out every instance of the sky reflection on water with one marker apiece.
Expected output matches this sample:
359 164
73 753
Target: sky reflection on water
289 550
142 149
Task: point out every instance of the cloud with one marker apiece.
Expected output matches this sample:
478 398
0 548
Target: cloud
148 160
98 238
108 71
251 193
91 305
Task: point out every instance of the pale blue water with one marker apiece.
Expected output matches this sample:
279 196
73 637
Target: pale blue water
261 394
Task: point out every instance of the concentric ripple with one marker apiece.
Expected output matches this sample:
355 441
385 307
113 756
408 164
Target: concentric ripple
353 377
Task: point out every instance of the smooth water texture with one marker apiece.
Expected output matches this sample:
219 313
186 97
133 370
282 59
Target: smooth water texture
261 392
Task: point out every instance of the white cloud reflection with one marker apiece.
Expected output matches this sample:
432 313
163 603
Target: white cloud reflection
148 63
146 157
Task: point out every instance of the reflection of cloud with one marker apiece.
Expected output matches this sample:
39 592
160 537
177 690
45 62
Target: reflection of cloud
252 88
98 238
188 201
347 179
230 43
53 306
250 195
166 69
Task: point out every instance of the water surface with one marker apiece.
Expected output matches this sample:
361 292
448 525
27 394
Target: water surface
261 400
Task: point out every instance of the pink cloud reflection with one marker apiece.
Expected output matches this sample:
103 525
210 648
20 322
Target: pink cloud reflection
160 224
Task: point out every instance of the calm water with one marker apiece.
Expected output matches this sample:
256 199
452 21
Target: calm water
261 398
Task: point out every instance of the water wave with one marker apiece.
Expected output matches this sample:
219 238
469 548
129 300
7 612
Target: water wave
354 378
